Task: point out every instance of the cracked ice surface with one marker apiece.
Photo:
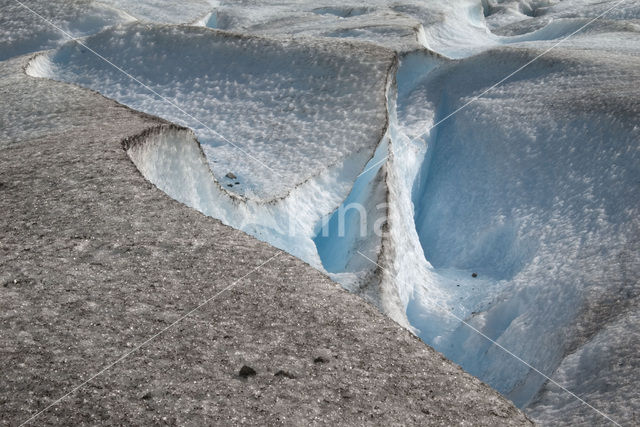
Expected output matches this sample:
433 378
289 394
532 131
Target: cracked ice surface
533 186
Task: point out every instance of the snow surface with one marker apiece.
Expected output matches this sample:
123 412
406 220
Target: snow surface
533 186
21 31
274 114
526 175
518 15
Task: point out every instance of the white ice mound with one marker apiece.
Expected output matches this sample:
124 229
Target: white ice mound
272 113
534 187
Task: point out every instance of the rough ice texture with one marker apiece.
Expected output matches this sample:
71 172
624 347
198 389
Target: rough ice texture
273 113
452 28
376 22
519 16
604 369
22 31
163 11
95 260
533 187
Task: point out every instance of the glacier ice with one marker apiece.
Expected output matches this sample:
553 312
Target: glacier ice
516 212
22 31
294 97
516 180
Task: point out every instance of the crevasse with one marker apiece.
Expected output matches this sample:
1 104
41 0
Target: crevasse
532 187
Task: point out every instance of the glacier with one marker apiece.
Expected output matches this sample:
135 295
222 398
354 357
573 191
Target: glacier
371 141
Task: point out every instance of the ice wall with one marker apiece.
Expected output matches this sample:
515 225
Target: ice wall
534 189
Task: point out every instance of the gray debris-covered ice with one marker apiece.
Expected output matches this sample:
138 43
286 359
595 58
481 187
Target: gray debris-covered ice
496 145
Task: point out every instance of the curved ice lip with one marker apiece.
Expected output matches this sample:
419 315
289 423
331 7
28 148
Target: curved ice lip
173 160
